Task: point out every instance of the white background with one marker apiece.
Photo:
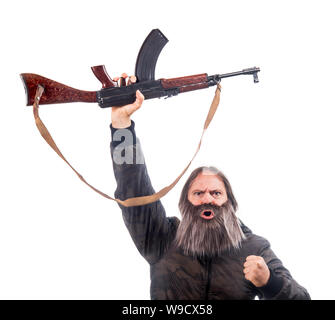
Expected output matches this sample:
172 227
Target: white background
274 140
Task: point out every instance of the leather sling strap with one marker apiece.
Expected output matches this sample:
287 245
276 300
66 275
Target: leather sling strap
131 202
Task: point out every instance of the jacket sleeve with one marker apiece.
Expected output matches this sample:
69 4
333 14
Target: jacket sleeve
281 285
148 225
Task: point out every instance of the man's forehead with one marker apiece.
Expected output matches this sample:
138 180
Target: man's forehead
207 172
207 179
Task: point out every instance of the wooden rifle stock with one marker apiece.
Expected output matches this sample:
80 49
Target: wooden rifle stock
54 92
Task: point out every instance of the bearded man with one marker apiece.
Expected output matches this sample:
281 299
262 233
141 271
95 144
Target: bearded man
209 254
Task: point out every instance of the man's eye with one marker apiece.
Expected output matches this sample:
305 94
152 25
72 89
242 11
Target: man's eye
197 193
217 193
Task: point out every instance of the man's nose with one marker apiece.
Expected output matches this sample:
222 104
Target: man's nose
207 198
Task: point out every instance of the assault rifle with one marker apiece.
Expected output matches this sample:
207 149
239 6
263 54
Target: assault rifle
112 95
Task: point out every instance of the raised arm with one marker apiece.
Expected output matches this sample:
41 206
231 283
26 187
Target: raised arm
148 225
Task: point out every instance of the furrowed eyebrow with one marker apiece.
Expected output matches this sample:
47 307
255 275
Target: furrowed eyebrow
211 191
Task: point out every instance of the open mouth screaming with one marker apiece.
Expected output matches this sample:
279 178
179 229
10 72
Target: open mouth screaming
207 214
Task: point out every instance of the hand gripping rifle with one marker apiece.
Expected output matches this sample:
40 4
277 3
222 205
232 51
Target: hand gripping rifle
111 95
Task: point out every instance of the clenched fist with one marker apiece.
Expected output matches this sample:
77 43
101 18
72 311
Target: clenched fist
256 271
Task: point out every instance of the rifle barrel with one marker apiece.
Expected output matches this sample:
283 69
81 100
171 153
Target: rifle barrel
213 80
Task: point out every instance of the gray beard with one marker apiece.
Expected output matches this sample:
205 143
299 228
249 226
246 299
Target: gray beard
199 237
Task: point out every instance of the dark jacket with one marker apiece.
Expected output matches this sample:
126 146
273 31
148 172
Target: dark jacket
175 275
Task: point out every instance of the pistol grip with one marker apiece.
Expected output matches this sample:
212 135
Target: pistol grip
102 75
